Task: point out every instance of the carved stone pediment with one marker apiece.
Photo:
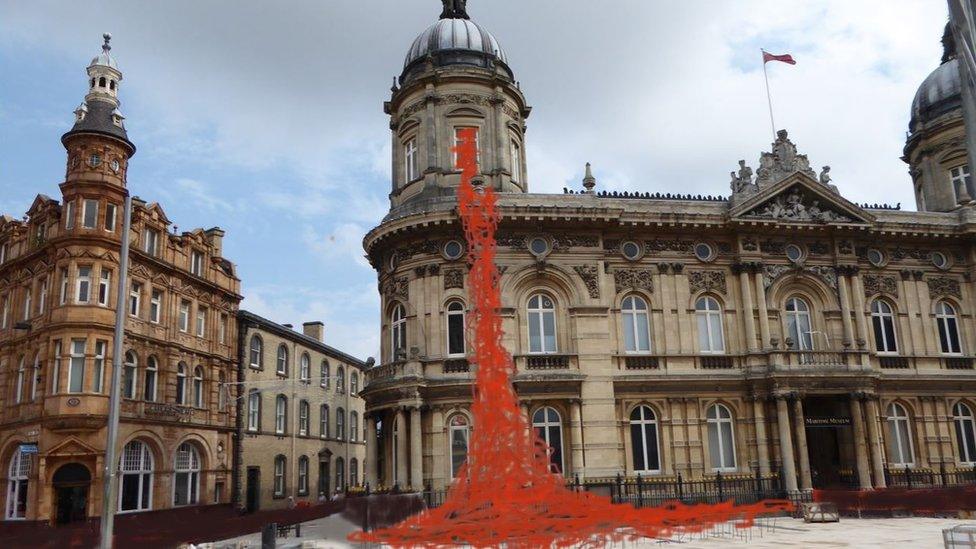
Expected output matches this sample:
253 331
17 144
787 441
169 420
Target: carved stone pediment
797 205
799 199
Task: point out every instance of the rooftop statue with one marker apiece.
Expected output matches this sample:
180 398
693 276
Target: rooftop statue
782 162
454 9
743 181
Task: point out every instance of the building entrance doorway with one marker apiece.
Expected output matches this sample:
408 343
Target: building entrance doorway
324 478
71 484
830 441
253 493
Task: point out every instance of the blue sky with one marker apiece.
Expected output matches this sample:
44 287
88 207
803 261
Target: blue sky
266 118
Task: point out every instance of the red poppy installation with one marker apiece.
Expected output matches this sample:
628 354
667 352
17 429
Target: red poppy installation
505 493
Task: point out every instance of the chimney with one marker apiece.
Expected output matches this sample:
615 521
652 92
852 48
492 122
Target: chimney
314 330
215 236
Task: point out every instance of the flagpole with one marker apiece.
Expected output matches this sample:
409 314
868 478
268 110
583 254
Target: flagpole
769 98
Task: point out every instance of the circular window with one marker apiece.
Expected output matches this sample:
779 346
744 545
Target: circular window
453 250
876 257
794 253
539 246
631 250
94 160
115 165
940 260
704 252
393 262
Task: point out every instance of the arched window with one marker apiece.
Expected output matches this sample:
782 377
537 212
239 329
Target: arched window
643 439
548 426
282 367
340 474
709 315
945 317
354 472
340 424
459 442
303 411
354 383
221 391
900 448
254 410
455 329
181 383
279 476
18 477
19 395
281 414
149 385
353 425
883 322
398 332
303 476
136 480
198 395
101 82
637 326
186 490
324 421
965 433
324 374
798 325
129 375
305 370
340 379
721 438
542 324
257 352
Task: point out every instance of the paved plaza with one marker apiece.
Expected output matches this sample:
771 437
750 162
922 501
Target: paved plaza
914 533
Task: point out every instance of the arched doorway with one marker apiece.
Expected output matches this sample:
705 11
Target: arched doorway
71 483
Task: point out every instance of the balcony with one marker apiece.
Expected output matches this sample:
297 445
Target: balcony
957 363
894 362
456 366
716 362
641 362
548 362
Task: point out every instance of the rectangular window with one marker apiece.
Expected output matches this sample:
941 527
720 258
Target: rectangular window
457 141
99 366
76 369
110 218
184 316
89 214
201 321
43 299
104 283
196 263
69 215
960 179
134 294
155 306
64 286
253 411
27 303
411 169
150 242
222 329
83 285
56 373
516 160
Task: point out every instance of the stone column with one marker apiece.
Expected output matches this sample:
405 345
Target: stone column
416 451
762 446
500 134
763 308
576 424
860 451
845 307
430 128
857 288
874 442
371 452
800 428
785 443
401 448
747 307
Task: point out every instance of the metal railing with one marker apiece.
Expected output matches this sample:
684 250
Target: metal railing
924 477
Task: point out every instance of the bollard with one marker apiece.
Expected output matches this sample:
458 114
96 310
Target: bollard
298 529
268 536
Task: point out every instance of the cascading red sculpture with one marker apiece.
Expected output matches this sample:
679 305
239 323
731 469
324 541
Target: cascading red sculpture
506 494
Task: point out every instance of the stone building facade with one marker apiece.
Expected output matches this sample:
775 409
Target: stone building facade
781 330
301 426
58 288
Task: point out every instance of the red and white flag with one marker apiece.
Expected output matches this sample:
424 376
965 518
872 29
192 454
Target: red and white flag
785 58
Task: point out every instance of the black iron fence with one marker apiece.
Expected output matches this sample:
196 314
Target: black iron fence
907 477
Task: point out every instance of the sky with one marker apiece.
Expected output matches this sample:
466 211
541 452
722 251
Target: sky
265 118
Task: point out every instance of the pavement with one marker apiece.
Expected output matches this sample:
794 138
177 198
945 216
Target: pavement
909 533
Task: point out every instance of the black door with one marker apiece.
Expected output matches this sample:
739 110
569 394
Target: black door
71 483
824 457
324 478
253 488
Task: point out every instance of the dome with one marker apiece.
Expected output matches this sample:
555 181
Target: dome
104 59
456 36
940 93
